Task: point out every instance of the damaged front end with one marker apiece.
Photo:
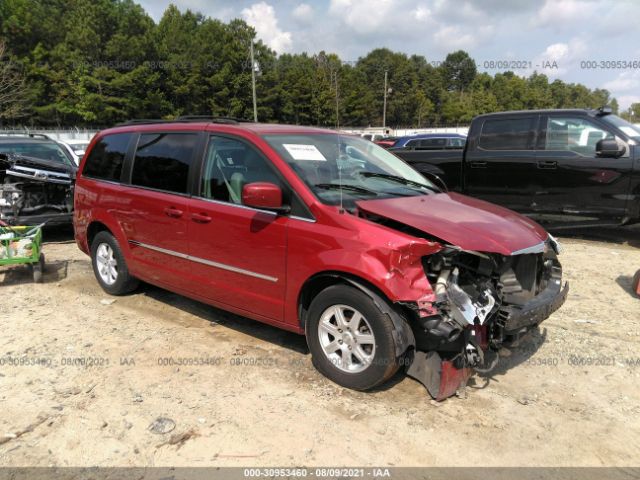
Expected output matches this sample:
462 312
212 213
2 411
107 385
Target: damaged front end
480 302
34 191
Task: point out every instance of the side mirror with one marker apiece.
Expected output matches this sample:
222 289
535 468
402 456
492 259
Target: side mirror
609 148
437 181
265 195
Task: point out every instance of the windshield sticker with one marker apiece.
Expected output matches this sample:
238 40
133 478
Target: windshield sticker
304 152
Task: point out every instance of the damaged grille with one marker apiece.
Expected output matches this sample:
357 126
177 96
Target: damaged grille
39 175
34 190
503 293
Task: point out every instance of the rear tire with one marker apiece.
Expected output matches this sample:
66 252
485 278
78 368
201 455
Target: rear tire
350 338
110 267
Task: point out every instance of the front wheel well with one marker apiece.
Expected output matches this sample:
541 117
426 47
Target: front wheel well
314 285
404 338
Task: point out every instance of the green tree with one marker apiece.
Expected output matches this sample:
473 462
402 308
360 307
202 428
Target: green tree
98 62
458 71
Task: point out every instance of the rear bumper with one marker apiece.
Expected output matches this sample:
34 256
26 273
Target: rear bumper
536 310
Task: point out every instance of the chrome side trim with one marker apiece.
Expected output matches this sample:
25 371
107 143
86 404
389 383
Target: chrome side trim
303 219
237 205
539 248
203 261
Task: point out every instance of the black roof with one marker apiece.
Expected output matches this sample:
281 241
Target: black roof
572 111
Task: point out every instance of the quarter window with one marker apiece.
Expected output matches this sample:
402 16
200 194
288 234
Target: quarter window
507 134
162 161
107 157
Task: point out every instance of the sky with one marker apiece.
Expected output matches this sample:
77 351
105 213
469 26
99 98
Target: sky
585 41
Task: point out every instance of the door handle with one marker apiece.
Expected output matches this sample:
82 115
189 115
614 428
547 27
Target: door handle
547 164
172 212
200 218
478 164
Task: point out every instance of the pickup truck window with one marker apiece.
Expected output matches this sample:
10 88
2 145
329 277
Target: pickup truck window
576 134
508 133
627 128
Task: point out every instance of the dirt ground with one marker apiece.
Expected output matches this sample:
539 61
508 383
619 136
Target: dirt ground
85 380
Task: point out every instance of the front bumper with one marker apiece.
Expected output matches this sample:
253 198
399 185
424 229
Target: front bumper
536 310
50 219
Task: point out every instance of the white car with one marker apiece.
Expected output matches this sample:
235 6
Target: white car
76 148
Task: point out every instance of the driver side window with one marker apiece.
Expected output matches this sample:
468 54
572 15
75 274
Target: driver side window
231 164
574 134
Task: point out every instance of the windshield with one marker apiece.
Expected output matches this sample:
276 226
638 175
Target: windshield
343 169
44 151
627 128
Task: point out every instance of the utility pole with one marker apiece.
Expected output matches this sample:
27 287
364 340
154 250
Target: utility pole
384 106
337 101
253 85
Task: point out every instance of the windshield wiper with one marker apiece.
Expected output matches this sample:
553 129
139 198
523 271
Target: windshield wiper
337 186
397 179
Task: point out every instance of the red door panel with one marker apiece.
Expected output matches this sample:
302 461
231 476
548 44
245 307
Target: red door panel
155 224
238 256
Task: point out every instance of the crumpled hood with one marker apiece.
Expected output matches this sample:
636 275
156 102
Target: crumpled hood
466 222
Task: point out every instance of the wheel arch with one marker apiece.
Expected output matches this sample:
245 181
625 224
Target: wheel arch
95 227
403 335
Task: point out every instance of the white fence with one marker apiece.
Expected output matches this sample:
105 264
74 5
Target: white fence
403 132
65 134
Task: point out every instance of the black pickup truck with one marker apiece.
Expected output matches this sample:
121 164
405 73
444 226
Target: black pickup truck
566 167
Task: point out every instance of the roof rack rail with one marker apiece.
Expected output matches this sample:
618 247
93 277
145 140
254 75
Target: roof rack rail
184 118
43 135
210 118
142 121
25 133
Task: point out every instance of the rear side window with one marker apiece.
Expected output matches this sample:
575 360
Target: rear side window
107 157
507 134
433 143
162 161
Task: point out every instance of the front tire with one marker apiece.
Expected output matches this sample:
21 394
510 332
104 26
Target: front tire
350 338
109 265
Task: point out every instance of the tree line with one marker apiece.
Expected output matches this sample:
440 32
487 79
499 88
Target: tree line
100 62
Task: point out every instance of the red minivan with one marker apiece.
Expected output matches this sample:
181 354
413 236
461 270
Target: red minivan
321 233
